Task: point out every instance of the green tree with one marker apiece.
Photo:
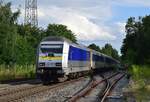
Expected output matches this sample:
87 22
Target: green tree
18 43
94 47
129 42
136 46
25 52
28 39
115 54
107 49
110 51
60 30
8 33
32 34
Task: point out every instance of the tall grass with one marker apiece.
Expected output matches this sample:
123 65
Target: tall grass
141 82
16 72
140 73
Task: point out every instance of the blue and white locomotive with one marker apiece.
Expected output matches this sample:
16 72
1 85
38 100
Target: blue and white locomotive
58 57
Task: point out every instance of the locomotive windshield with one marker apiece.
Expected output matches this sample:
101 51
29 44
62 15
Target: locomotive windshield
51 50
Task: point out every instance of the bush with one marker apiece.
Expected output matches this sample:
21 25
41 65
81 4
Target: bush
141 82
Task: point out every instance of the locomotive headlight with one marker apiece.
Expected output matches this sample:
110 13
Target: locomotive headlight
41 64
40 71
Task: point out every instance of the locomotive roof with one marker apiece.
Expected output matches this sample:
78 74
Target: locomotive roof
59 38
55 38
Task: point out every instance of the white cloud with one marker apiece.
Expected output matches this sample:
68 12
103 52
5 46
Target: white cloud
121 27
73 3
133 3
93 9
83 28
85 18
41 14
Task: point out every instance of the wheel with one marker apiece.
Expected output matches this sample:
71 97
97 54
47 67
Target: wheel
62 79
46 82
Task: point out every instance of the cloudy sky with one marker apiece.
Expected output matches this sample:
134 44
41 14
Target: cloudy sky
92 21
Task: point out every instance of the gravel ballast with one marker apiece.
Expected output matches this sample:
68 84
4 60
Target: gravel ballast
60 94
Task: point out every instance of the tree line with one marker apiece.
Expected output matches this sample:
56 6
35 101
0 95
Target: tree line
18 42
107 49
136 45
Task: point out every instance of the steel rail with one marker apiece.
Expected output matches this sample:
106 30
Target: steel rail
110 88
87 89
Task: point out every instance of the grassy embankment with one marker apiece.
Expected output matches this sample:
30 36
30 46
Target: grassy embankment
141 82
16 72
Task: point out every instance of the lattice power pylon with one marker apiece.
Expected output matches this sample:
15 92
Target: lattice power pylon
31 13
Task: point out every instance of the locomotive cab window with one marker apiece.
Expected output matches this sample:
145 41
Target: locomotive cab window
51 50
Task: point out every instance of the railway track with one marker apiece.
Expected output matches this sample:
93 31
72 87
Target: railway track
110 87
20 93
86 90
